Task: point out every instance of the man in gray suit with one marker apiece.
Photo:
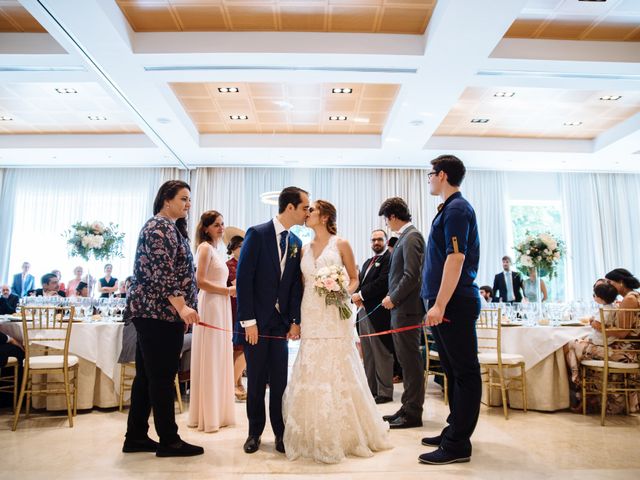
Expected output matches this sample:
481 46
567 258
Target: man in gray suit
407 309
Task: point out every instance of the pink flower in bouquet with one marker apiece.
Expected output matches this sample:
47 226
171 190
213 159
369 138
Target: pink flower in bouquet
330 284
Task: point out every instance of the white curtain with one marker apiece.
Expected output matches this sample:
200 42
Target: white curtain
46 202
602 214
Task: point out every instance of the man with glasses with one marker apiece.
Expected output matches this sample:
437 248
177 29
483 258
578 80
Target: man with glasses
377 352
453 305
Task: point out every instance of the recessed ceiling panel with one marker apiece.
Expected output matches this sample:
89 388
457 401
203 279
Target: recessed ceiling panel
287 108
538 113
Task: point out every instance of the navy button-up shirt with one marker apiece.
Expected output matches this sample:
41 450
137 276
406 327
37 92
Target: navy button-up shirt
454 230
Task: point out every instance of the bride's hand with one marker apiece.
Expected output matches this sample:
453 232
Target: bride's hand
294 332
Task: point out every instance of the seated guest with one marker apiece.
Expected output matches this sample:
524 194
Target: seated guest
108 284
50 287
8 301
23 282
82 290
73 283
61 286
124 287
10 347
485 294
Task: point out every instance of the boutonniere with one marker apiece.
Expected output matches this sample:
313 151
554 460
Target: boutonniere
377 264
293 251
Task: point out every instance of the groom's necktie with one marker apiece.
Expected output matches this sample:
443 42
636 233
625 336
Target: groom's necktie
283 243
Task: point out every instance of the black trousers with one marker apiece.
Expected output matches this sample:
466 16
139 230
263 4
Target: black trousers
157 358
9 350
458 349
267 361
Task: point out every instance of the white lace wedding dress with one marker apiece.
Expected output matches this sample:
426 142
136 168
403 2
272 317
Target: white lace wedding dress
328 409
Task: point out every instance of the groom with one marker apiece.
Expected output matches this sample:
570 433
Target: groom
269 294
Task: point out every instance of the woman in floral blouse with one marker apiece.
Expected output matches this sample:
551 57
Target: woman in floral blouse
161 304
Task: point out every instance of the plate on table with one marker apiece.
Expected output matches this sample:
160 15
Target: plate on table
572 323
511 324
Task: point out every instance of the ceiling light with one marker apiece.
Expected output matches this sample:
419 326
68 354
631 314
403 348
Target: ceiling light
228 90
611 97
96 117
416 123
6 118
572 124
504 94
238 117
66 90
479 120
342 90
337 117
270 198
361 120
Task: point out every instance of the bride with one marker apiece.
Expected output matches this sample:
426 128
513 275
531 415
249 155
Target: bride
328 408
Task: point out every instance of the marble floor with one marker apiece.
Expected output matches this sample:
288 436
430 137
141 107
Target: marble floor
528 445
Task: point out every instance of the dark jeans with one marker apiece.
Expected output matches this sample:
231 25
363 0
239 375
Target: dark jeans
458 348
157 357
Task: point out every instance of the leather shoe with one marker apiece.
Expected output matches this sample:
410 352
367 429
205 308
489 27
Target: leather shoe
280 445
179 449
432 441
404 421
144 445
252 444
390 418
442 457
380 399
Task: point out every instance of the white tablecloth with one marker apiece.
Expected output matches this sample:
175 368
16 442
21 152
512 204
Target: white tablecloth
98 345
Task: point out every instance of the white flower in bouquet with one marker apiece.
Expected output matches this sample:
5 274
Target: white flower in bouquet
94 239
331 283
98 227
526 261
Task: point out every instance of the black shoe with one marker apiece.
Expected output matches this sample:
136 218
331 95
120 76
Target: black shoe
280 445
380 399
442 457
252 444
432 441
405 421
179 449
389 418
133 446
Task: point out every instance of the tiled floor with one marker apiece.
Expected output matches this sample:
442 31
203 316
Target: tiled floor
532 445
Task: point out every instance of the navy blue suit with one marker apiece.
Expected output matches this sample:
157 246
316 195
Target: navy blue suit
260 285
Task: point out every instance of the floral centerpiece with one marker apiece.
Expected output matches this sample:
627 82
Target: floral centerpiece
97 239
331 283
542 252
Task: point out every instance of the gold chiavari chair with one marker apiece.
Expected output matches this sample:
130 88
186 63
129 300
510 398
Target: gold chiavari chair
433 356
624 345
48 325
496 363
126 381
9 382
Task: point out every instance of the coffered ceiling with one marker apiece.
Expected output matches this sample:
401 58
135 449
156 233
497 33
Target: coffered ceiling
512 84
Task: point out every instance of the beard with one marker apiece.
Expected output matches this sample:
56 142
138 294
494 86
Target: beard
378 249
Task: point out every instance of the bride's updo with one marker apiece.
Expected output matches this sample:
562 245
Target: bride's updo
325 209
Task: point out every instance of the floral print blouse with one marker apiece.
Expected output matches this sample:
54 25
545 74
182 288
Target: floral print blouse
163 267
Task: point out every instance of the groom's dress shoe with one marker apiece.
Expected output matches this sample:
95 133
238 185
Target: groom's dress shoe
432 441
442 457
280 445
404 421
143 445
380 399
252 444
390 418
179 449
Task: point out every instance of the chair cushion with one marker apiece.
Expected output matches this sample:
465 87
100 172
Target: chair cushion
433 354
491 358
600 363
11 361
51 361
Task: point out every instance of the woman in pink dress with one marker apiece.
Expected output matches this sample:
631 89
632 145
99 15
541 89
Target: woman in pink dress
212 386
73 284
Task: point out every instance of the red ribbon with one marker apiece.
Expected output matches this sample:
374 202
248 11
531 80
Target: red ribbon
377 334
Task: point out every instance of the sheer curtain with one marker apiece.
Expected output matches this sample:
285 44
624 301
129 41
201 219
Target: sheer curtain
602 211
46 202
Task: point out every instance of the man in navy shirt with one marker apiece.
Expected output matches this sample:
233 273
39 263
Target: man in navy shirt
452 302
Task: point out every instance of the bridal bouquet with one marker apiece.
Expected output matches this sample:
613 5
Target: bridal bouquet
542 252
331 283
103 241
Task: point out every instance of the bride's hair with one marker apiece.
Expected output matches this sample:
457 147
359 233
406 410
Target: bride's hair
326 209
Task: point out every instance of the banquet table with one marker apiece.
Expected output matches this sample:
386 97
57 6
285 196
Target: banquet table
98 345
545 367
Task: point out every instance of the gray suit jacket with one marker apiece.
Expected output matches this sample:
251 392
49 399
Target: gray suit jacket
405 274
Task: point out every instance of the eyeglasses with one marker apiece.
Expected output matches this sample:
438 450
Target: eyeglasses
377 240
431 174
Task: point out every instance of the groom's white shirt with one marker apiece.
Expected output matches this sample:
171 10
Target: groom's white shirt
279 228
